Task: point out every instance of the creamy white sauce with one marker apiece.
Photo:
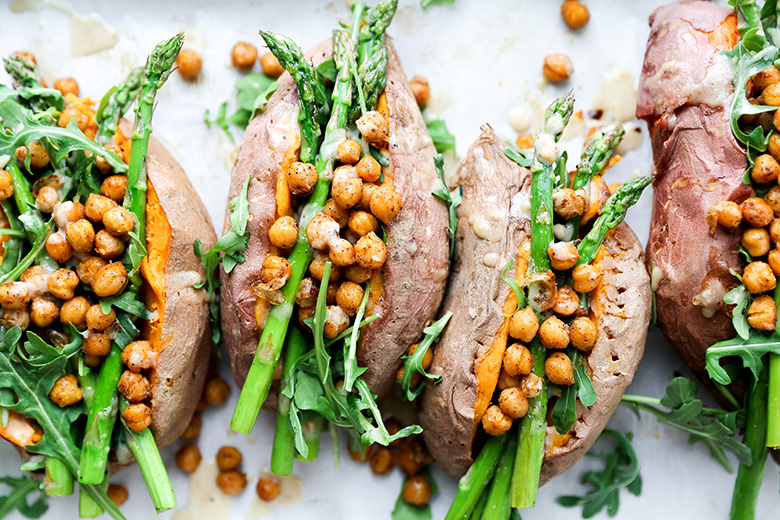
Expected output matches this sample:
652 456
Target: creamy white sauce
337 316
185 279
560 231
520 208
206 501
655 277
490 259
617 97
554 125
520 119
546 148
710 297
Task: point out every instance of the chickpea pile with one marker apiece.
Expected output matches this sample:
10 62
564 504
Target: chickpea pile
230 480
760 215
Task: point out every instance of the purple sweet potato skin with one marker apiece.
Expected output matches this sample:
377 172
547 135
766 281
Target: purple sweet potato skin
621 305
698 162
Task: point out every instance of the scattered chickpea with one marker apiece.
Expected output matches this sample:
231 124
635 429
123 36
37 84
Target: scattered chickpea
58 247
772 197
189 64
108 246
495 421
362 223
243 55
417 491
349 297
39 157
559 369
87 268
347 187
228 458
531 385
770 96
283 232
114 187
774 261
15 318
557 67
117 493
6 185
563 255
583 333
586 277
368 169
43 312
506 381
568 203
762 313
411 457
119 221
80 235
374 126
275 272
575 14
321 230
134 386
26 55
73 114
139 355
75 311
269 487
14 295
46 199
188 458
348 151
336 212
342 252
756 241
99 321
62 284
382 461
385 203
138 417
421 90
370 251
67 86
271 65
524 324
360 455
109 280
96 344
231 482
192 431
518 360
567 301
758 277
513 403
765 170
317 268
554 333
756 212
357 274
301 178
66 391
336 322
217 391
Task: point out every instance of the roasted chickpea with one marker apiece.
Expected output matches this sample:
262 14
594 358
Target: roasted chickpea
765 169
43 312
726 213
369 170
46 199
417 491
559 369
137 416
518 360
758 277
189 64
192 431
73 114
567 302
495 421
80 235
271 65
14 295
583 333
756 241
368 192
421 90
411 457
348 151
87 268
361 455
62 284
275 272
301 178
506 381
283 232
524 324
586 277
97 344
770 96
243 55
772 197
531 385
228 458
188 458
557 67
427 357
66 391
563 255
336 322
119 221
307 293
39 157
74 311
99 321
134 386
362 223
575 14
96 206
385 203
217 391
109 280
269 487
357 274
347 188
349 297
305 313
756 212
342 252
114 187
15 318
58 247
68 212
374 126
774 261
36 277
513 403
322 230
370 251
67 86
569 203
139 355
317 268
554 333
92 361
108 246
117 493
762 313
6 185
382 461
231 482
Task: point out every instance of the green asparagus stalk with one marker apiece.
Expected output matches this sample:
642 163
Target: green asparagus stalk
530 445
58 479
476 479
773 397
312 432
22 70
116 103
476 514
497 506
12 248
88 507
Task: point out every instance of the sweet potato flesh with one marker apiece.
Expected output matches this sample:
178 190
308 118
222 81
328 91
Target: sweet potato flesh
154 266
20 430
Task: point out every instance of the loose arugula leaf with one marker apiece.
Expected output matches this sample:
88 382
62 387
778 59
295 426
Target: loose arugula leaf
585 390
750 351
564 413
254 91
442 138
351 369
428 3
128 302
514 285
453 199
403 510
327 69
22 489
413 363
521 157
621 470
741 298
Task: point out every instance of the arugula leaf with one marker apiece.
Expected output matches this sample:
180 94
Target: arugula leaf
750 350
521 157
413 363
327 69
254 91
621 470
564 413
428 3
18 499
127 301
741 298
442 138
403 510
453 199
514 285
351 369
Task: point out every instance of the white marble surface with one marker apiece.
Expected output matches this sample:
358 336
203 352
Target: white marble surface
482 59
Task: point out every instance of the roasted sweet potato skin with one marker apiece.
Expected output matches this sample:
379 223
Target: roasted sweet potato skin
685 94
496 190
415 272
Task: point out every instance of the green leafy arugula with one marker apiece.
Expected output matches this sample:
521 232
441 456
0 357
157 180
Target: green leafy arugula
403 510
514 285
442 138
453 199
680 408
741 298
750 350
521 157
351 369
254 91
22 489
428 3
564 413
621 470
413 364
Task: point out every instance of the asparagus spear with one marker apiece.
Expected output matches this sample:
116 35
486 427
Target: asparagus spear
22 70
476 479
58 479
116 103
497 506
530 446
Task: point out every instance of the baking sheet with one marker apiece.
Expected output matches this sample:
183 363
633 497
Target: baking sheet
482 60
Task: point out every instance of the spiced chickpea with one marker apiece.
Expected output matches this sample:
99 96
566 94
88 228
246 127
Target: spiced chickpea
103 166
317 268
349 297
192 431
139 355
421 90
305 313
583 333
553 333
411 457
269 487
134 386
67 86
772 197
80 235
567 302
342 252
87 268
243 55
506 381
68 212
775 123
774 230
385 203
756 241
495 421
189 63
563 255
117 493
92 361
231 483
758 277
66 391
228 458
283 232
417 491
427 357
357 274
15 318
774 140
347 187
35 276
336 322
336 212
96 206
762 313
361 455
216 391
6 185
109 280
58 247
586 277
301 178
774 261
27 56
368 169
368 192
114 187
97 344
43 312
513 403
416 377
770 96
73 114
568 203
382 461
726 213
275 272
559 369
108 246
119 221
362 223
756 212
374 126
99 321
188 458
524 324
531 385
14 295
62 284
46 199
765 170
137 416
39 157
557 67
370 251
330 296
74 311
348 151
322 230
307 293
518 360
575 14
271 65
